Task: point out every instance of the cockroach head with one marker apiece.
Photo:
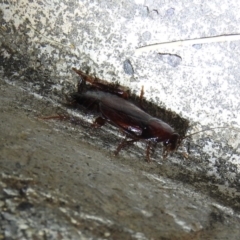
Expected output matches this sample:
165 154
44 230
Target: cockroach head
173 142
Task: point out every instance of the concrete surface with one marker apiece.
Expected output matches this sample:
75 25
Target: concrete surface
106 197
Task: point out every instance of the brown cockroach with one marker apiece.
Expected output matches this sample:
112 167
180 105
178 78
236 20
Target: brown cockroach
114 108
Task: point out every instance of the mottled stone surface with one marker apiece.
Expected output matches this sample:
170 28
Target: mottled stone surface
41 41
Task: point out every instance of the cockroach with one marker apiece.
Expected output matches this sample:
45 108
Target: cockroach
114 108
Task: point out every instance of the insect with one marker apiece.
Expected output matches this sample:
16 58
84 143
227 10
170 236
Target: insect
114 108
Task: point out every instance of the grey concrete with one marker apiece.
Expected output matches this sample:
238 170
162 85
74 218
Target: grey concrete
196 198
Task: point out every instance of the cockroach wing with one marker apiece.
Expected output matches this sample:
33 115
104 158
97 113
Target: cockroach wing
122 120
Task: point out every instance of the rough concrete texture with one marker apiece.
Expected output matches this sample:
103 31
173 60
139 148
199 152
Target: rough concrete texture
60 180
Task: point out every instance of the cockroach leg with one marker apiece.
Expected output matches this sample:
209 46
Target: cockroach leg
148 151
185 151
123 144
99 84
165 152
80 86
141 97
151 146
59 117
99 122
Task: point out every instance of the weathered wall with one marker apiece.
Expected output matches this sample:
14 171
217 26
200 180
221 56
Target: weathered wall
42 40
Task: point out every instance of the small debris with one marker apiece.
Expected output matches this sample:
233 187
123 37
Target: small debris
127 66
171 59
197 46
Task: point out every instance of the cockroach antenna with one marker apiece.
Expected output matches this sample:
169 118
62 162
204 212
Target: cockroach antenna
209 129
